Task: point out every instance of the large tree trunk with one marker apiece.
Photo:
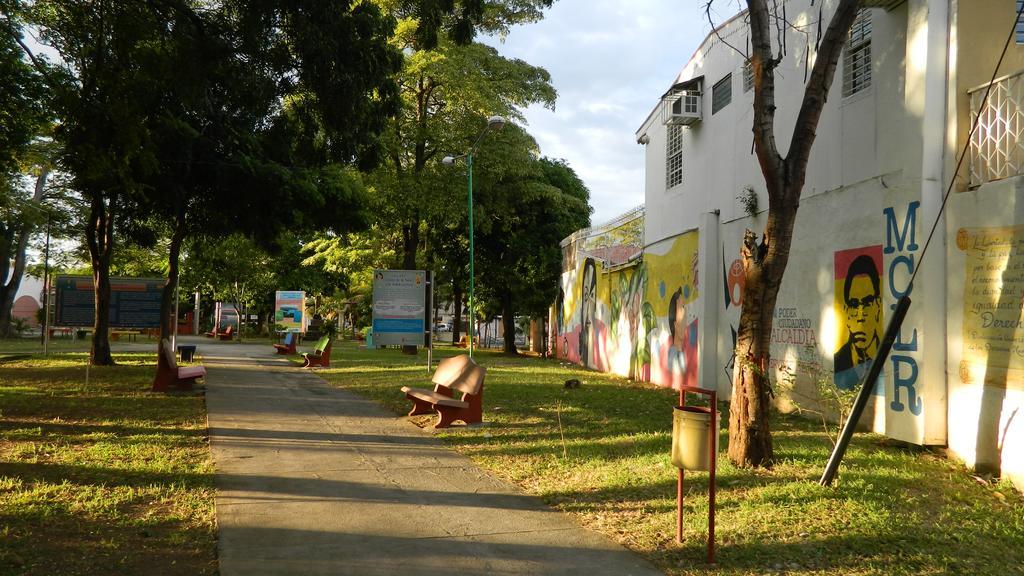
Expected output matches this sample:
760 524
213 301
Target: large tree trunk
100 236
537 335
168 321
9 286
457 320
750 441
410 242
508 322
764 263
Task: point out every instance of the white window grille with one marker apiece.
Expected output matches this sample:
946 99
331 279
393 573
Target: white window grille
748 75
997 146
721 94
857 57
674 156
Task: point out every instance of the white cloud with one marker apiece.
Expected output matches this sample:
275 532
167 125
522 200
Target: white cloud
610 60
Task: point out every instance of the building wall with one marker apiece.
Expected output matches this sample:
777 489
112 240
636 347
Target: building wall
880 164
984 23
986 327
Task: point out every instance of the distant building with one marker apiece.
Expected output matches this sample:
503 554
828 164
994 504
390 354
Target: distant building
909 84
28 300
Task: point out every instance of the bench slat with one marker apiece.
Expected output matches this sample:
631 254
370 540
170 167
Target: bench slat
434 397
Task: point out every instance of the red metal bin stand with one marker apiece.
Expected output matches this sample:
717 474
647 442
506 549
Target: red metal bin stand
713 436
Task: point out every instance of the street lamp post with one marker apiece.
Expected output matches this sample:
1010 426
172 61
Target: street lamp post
494 122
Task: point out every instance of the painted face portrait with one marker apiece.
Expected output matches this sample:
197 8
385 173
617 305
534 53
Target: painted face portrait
588 309
862 315
862 308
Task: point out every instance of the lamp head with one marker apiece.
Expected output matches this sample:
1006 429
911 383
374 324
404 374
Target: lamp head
448 160
495 123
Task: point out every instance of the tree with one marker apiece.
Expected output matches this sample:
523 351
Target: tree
525 207
24 112
235 269
764 261
108 88
444 92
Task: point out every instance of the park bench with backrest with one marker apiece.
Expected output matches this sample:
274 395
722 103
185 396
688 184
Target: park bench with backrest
171 376
456 375
321 354
225 335
289 344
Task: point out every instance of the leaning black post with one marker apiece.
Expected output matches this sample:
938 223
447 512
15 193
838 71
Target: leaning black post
892 331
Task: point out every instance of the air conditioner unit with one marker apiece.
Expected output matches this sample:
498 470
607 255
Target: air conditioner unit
681 107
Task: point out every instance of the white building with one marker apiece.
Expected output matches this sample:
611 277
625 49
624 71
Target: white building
887 145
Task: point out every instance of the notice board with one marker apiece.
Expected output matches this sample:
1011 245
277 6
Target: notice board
134 302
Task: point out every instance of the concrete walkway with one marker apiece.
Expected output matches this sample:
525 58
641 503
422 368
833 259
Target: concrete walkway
314 480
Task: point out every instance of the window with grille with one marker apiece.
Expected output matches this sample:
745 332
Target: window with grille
748 75
721 94
857 57
674 157
1020 23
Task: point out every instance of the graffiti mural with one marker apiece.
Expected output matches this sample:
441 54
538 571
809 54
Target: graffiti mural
630 311
587 321
858 305
674 296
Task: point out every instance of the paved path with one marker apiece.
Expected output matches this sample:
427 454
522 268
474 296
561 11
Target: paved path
315 480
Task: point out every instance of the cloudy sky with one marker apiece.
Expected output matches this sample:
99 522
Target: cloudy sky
610 60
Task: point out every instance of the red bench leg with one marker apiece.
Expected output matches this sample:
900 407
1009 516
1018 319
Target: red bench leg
419 406
447 415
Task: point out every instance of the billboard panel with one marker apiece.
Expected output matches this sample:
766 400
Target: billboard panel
134 302
290 310
400 307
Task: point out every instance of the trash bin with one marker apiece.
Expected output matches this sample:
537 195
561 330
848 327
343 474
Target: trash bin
369 340
691 426
186 353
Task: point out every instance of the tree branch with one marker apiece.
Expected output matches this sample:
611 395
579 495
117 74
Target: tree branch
816 92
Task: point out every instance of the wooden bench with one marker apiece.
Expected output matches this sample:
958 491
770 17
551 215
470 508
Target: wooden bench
132 335
170 376
457 374
289 344
225 335
321 354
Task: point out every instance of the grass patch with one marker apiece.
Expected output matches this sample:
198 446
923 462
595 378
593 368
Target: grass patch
17 348
893 511
104 478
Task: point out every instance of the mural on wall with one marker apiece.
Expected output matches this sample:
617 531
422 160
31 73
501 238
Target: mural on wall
636 317
673 294
993 328
858 305
588 313
734 282
586 322
632 319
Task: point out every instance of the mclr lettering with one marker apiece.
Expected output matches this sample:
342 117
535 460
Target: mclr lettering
905 370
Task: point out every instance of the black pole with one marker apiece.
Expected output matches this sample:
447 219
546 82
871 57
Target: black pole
866 386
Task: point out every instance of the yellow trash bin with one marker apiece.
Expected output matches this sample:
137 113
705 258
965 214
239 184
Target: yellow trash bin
691 426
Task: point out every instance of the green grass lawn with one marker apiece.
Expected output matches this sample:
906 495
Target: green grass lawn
21 346
101 478
894 510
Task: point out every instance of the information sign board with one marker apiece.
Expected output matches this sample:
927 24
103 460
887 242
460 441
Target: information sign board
401 307
134 302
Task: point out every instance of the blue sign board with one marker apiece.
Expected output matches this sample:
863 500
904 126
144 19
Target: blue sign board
401 307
